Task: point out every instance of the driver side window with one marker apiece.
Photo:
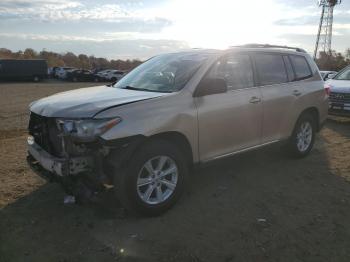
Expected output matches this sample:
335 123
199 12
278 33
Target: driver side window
235 69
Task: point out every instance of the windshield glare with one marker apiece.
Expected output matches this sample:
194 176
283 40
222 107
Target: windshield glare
343 75
163 73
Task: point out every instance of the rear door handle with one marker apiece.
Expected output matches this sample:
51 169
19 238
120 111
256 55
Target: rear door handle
296 93
254 100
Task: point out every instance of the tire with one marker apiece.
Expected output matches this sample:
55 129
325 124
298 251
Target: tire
153 197
113 79
301 142
36 78
75 79
96 79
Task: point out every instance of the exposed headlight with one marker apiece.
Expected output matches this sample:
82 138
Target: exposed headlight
87 128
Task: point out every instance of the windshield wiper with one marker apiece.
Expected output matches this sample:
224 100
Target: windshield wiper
143 89
133 88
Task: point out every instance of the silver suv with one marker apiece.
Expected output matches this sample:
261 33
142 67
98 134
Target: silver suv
144 133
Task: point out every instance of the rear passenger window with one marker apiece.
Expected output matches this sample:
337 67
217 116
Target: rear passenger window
271 69
301 67
238 72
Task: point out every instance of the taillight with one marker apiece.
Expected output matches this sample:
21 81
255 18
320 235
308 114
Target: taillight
327 89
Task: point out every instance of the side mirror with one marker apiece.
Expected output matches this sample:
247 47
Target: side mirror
330 76
211 86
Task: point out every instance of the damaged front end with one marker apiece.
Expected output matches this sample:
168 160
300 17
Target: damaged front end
71 152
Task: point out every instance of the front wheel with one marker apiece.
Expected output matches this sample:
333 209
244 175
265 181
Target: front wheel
303 137
154 179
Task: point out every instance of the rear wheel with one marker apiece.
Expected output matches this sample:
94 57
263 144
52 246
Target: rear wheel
154 179
36 78
302 140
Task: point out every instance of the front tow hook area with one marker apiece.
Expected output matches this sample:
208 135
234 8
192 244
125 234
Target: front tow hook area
79 186
39 170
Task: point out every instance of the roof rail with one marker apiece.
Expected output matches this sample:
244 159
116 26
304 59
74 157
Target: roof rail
271 46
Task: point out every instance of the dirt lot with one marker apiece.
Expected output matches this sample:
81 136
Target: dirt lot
260 206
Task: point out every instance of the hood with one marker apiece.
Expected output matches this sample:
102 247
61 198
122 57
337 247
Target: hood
341 86
87 102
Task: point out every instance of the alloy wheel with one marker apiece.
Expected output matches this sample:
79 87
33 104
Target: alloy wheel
157 180
304 136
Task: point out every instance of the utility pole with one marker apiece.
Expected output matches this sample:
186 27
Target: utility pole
324 36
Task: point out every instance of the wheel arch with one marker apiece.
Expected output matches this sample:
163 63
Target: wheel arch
125 148
179 140
315 114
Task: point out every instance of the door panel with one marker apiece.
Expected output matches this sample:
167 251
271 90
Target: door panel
280 95
280 101
228 122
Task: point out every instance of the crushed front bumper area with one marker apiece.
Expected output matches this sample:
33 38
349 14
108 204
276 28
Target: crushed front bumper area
76 175
44 164
39 159
39 170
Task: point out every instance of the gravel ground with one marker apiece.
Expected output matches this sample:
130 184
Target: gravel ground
259 206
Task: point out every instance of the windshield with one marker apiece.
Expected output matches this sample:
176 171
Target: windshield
163 73
343 75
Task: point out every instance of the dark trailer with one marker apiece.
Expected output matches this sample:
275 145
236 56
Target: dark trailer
23 69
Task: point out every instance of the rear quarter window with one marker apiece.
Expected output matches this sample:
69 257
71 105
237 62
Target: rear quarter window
301 67
271 69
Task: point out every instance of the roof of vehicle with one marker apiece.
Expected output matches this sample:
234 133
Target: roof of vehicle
249 47
269 47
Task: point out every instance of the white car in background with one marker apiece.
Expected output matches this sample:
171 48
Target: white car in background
104 73
339 93
61 73
111 74
328 74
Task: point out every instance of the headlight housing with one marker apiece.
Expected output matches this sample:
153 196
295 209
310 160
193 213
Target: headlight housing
87 128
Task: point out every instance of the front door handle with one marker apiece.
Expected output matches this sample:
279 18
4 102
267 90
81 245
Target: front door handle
254 100
296 93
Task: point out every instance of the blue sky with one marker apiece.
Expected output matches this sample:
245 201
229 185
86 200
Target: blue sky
142 28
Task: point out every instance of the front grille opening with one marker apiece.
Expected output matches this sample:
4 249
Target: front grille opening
339 97
45 133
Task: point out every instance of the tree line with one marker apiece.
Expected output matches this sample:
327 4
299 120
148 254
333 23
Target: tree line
70 59
333 61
